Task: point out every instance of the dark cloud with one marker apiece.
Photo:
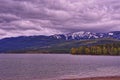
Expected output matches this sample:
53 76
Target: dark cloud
38 17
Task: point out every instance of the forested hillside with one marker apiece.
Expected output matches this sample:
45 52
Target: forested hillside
103 49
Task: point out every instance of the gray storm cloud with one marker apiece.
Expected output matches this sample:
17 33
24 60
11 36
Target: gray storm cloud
47 17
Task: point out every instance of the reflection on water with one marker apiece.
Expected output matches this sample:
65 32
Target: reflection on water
48 66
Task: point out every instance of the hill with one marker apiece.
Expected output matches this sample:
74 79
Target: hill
59 43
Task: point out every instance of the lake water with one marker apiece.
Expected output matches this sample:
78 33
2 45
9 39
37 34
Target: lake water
56 66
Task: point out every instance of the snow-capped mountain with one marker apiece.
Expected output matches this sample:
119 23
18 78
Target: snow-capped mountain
87 35
39 42
114 34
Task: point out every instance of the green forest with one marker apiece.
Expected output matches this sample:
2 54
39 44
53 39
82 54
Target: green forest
103 49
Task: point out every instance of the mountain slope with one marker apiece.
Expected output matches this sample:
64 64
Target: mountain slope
20 43
66 46
59 42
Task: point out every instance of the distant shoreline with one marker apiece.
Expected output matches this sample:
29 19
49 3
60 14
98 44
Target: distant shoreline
60 53
97 78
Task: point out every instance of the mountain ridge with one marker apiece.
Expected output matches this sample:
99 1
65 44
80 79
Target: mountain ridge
78 35
47 42
88 35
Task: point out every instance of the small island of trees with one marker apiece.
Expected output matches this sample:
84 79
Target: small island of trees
103 49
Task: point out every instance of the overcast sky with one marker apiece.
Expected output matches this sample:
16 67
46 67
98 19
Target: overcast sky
47 17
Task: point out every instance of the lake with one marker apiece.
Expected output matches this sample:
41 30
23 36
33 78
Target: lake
56 66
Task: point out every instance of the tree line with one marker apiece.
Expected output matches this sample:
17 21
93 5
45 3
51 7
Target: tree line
103 49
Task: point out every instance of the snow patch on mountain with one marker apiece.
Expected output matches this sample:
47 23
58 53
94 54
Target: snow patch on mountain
87 35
